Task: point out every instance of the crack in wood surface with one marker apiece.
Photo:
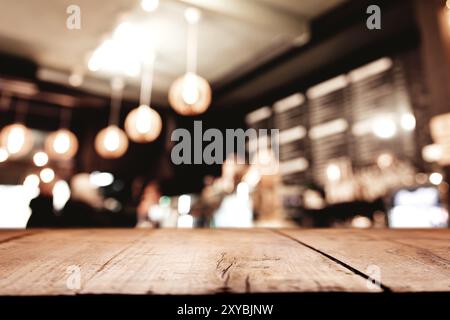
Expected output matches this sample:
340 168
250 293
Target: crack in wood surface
19 236
225 272
109 261
223 261
247 284
342 263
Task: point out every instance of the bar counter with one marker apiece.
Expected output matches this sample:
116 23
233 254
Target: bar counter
205 262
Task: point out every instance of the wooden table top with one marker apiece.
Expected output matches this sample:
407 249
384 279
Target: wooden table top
176 261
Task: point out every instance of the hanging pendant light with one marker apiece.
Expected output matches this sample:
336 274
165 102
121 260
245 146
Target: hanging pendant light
16 138
62 144
143 124
190 94
111 142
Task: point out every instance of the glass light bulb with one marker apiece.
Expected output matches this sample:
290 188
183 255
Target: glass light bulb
62 143
149 5
192 15
16 140
190 92
143 121
143 124
111 141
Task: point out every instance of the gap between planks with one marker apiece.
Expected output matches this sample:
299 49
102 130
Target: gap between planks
342 263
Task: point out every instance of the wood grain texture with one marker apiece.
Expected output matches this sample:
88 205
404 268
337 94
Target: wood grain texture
11 234
168 262
409 260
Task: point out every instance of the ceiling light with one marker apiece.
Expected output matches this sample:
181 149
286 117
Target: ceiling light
17 139
61 144
408 122
118 56
190 94
40 159
4 155
149 5
47 175
143 124
111 142
384 128
192 15
436 178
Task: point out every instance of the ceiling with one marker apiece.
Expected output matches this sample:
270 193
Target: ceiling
232 35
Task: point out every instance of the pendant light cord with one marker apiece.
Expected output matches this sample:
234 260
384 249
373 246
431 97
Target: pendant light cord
147 81
192 47
117 85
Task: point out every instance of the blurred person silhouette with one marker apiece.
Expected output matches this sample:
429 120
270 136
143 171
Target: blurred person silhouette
149 199
43 214
85 206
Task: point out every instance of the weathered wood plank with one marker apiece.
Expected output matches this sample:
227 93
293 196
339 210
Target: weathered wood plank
211 261
169 262
409 260
11 234
40 264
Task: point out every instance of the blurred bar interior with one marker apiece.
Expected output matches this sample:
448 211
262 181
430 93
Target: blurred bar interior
88 107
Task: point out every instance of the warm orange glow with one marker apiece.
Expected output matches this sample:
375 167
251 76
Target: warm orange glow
111 142
17 139
190 95
143 124
61 144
